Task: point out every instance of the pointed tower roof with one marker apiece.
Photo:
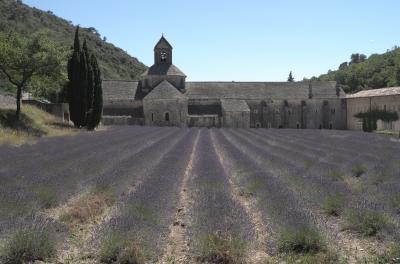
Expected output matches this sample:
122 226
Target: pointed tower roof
163 43
165 90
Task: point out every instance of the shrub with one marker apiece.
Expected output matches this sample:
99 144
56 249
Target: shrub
390 256
218 248
333 205
302 240
28 245
336 175
328 257
46 197
117 249
358 170
366 222
89 206
395 202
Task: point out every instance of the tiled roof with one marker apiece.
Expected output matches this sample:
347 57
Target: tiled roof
234 106
260 90
119 90
376 92
164 90
163 69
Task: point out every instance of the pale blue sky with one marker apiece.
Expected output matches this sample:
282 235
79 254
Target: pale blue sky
248 40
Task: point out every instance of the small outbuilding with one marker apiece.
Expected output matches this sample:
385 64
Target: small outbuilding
235 113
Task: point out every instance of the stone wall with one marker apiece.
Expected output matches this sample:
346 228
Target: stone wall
60 110
310 113
121 120
166 112
204 121
364 104
7 102
236 119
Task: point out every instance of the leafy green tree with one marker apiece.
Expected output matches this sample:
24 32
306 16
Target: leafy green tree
290 78
23 58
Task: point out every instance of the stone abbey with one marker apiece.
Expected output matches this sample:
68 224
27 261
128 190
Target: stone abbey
163 97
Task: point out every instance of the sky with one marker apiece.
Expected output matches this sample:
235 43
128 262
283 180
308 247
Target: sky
241 40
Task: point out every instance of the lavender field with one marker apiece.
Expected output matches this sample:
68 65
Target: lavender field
170 195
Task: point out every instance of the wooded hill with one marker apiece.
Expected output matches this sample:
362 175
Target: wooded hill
362 72
114 62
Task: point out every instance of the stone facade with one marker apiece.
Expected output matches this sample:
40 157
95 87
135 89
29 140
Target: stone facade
383 99
163 97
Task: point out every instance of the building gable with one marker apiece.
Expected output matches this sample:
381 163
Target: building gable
164 90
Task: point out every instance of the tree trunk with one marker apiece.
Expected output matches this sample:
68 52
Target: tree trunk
19 95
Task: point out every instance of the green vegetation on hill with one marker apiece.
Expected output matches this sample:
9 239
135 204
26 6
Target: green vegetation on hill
24 20
361 73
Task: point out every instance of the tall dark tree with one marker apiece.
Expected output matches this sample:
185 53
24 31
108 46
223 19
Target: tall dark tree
85 93
83 88
90 81
74 68
290 78
97 103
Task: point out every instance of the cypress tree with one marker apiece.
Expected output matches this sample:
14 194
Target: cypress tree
90 84
83 87
85 96
290 78
74 77
97 105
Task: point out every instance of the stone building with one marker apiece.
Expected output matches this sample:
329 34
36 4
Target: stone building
163 97
383 99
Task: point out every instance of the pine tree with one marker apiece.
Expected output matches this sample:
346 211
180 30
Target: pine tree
290 78
74 64
97 105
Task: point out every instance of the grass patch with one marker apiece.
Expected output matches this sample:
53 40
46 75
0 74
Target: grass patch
28 245
388 257
303 240
395 203
251 188
116 248
89 206
318 258
46 197
218 248
144 213
336 175
358 170
366 222
333 205
33 123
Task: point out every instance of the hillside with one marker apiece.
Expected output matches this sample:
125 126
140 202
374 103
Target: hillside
114 62
376 71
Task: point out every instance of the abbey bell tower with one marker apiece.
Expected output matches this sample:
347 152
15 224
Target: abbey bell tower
162 69
163 52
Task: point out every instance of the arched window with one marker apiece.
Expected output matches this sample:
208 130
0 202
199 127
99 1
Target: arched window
167 116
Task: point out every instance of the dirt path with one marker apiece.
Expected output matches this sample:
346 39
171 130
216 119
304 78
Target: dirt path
177 246
258 254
